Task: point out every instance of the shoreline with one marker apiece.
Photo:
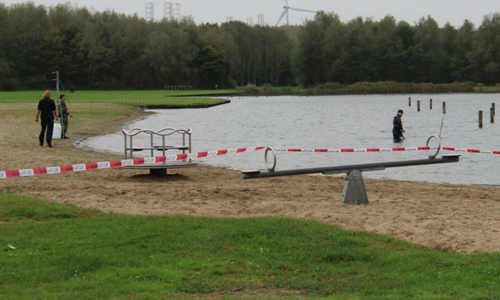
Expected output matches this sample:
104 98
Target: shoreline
461 218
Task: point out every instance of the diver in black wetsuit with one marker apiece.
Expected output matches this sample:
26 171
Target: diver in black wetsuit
397 129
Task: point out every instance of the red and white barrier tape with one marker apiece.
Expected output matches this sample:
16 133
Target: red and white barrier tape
120 163
356 150
470 150
347 150
160 159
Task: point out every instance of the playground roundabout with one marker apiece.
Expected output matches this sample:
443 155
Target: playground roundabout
462 218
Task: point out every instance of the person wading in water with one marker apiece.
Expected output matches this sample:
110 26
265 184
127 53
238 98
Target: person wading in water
397 127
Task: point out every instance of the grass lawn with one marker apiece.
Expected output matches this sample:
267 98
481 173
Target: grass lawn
488 89
64 252
151 98
112 95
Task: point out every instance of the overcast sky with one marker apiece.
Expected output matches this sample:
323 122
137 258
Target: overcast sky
216 11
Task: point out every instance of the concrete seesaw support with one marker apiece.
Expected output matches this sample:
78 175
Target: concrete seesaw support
354 186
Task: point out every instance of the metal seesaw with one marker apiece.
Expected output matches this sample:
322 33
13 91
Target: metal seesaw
354 186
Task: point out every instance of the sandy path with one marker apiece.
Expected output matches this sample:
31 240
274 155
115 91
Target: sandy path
458 217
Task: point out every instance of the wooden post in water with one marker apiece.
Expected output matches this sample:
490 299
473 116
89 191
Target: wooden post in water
492 115
430 104
444 107
493 106
418 105
409 101
480 119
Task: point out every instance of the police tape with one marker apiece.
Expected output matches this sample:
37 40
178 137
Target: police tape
120 163
347 150
350 150
177 157
470 150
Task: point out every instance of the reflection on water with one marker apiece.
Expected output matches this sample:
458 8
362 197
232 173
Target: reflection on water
337 122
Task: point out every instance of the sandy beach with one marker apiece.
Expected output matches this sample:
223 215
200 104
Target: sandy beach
458 217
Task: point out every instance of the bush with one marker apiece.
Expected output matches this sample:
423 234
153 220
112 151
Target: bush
267 88
480 87
389 87
110 83
251 89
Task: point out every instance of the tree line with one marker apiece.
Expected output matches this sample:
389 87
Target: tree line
107 50
363 50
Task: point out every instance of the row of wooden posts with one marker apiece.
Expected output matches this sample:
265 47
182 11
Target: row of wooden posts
430 104
492 111
492 115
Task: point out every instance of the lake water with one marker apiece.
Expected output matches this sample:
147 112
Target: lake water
334 122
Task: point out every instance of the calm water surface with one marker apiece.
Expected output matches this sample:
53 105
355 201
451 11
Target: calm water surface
337 122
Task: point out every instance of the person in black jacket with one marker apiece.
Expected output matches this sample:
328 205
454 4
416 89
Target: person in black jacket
397 129
47 107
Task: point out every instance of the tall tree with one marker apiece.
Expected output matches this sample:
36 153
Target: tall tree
103 66
61 51
462 62
26 25
237 50
309 54
487 48
169 55
404 66
212 67
387 48
337 51
362 55
129 40
429 56
280 51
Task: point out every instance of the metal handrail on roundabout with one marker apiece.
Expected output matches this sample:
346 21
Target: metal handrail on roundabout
163 133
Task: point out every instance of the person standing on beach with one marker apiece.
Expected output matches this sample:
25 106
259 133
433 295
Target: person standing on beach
397 127
47 108
63 115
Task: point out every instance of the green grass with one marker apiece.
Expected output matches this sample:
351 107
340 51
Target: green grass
112 95
177 102
488 89
16 208
151 99
63 252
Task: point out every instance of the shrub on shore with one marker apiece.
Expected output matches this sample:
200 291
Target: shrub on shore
391 87
361 88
